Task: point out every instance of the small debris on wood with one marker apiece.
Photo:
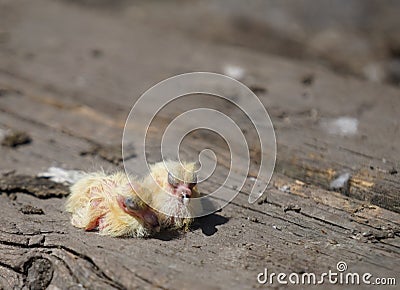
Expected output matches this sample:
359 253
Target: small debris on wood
253 219
12 196
35 241
61 175
15 139
359 237
262 200
277 228
394 230
258 89
285 188
110 153
364 206
38 187
341 183
343 126
252 178
308 79
282 115
374 236
234 71
292 207
298 182
393 171
29 209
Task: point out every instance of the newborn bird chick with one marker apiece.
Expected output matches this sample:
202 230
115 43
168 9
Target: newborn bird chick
109 203
171 188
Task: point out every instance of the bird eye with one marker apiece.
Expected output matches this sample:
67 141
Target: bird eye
131 204
172 180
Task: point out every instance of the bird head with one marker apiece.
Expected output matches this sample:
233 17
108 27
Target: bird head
137 208
181 180
173 187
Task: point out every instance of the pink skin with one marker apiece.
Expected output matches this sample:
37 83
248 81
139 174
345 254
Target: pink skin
182 191
144 214
148 216
94 223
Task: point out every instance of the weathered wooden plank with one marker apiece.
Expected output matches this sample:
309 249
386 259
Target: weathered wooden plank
243 238
314 162
307 150
49 147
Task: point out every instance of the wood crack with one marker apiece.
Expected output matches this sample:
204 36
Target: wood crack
38 187
94 266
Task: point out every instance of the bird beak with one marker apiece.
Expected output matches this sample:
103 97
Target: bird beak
183 191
